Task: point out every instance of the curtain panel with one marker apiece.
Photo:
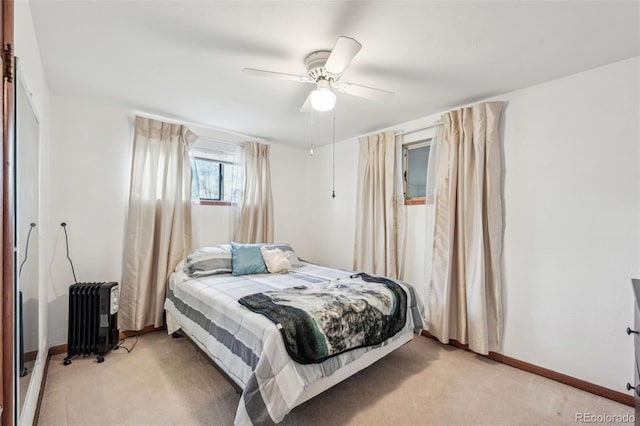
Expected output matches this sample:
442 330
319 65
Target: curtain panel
380 224
255 219
158 232
422 288
465 292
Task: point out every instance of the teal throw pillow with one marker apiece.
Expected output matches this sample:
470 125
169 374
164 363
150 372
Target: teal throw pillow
247 259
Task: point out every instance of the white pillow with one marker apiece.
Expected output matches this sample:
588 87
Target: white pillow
289 252
275 259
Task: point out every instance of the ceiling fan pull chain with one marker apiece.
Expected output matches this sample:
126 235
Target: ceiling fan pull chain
333 189
311 150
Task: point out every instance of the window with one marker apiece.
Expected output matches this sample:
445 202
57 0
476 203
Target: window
415 160
212 180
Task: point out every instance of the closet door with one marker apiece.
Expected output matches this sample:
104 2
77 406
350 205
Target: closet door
7 286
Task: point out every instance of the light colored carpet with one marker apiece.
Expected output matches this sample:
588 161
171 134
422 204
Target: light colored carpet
166 381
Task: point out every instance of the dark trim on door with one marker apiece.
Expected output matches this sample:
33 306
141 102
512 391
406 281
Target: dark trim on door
7 397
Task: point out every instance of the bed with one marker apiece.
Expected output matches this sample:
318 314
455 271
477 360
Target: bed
249 347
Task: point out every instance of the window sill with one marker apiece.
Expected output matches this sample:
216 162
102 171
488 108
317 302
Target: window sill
418 201
215 203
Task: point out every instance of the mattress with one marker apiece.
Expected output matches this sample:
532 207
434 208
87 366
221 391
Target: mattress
249 348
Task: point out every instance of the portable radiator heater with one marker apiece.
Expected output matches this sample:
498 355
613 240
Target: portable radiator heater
93 319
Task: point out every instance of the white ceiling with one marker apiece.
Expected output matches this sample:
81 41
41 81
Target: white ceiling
184 60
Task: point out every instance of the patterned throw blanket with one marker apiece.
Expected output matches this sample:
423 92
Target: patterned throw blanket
329 318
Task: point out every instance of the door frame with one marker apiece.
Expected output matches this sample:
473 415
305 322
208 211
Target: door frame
7 331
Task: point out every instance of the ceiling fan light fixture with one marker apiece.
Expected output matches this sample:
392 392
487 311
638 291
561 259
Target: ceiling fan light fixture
323 98
325 69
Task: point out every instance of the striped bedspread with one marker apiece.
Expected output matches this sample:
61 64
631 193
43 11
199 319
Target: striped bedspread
249 347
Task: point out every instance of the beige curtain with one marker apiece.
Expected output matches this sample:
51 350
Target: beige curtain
466 282
255 220
159 219
380 225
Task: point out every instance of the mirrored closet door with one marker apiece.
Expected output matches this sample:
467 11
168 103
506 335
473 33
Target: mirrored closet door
27 178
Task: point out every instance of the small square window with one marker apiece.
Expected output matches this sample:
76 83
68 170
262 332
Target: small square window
415 161
212 180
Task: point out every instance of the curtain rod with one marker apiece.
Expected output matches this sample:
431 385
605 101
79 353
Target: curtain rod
190 123
207 138
206 150
436 124
402 132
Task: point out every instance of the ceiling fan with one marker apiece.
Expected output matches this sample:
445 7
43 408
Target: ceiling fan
324 69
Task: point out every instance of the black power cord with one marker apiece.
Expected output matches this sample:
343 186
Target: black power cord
66 239
26 249
126 348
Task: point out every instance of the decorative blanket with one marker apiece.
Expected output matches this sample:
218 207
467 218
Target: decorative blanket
333 317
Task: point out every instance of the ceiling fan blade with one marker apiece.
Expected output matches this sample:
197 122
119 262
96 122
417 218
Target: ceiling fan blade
270 74
364 91
343 52
306 106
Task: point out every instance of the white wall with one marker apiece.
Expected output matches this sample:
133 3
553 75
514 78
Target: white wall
289 187
210 225
572 215
331 229
32 71
572 221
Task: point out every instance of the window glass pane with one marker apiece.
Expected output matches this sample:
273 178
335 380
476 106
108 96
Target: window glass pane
207 173
194 179
417 161
228 173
